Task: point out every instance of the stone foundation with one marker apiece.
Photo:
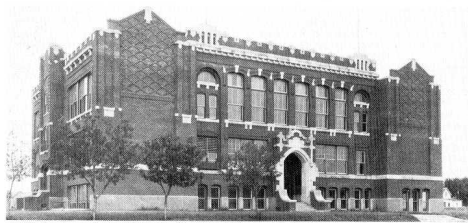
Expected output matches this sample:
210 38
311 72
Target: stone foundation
134 202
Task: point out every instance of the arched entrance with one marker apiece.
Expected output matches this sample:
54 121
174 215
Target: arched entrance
292 177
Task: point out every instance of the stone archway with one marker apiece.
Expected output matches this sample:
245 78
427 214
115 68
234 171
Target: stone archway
292 177
295 144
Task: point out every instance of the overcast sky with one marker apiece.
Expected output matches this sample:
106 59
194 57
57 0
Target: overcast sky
435 35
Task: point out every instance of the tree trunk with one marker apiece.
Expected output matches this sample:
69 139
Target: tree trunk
165 206
95 207
10 194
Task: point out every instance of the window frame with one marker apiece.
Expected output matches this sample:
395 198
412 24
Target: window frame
217 198
247 199
207 149
342 101
235 199
240 94
208 93
259 107
304 96
326 100
329 157
360 112
277 110
204 199
362 162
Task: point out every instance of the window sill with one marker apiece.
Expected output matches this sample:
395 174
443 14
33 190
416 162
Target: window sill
361 133
79 116
207 120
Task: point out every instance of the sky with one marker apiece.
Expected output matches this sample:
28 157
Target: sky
433 33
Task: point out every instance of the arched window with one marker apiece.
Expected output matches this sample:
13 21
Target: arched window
202 196
235 97
206 77
340 109
321 107
344 196
367 197
416 197
357 198
207 97
302 104
261 199
332 192
247 198
232 197
361 107
258 99
425 195
280 102
215 192
406 196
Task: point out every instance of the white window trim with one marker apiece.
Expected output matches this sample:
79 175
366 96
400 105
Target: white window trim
207 84
80 115
361 104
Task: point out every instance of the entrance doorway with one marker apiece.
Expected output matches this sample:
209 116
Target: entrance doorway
292 176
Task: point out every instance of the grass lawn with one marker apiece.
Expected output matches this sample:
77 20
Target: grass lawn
457 212
213 215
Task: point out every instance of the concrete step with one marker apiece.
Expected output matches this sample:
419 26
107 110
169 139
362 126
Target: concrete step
303 207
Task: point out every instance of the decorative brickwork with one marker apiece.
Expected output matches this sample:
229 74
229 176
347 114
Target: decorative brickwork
147 57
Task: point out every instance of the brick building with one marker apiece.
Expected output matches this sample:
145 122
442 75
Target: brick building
349 139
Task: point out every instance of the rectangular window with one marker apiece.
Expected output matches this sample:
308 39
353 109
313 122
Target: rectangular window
201 105
36 124
280 102
360 162
210 146
234 145
367 195
364 122
332 197
78 196
320 158
213 103
235 97
341 160
330 156
202 195
356 122
232 198
79 96
340 109
215 194
357 199
332 159
247 197
321 107
258 99
261 199
302 104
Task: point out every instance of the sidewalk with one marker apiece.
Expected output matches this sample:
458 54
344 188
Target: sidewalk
437 218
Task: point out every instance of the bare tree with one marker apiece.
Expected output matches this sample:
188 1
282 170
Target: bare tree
18 163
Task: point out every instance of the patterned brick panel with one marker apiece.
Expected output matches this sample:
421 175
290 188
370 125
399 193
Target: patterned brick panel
147 57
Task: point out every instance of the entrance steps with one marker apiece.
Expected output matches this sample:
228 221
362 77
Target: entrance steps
303 207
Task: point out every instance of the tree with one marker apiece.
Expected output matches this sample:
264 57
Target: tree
18 164
458 188
95 150
253 167
171 163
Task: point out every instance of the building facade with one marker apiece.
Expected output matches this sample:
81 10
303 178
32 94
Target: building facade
349 139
